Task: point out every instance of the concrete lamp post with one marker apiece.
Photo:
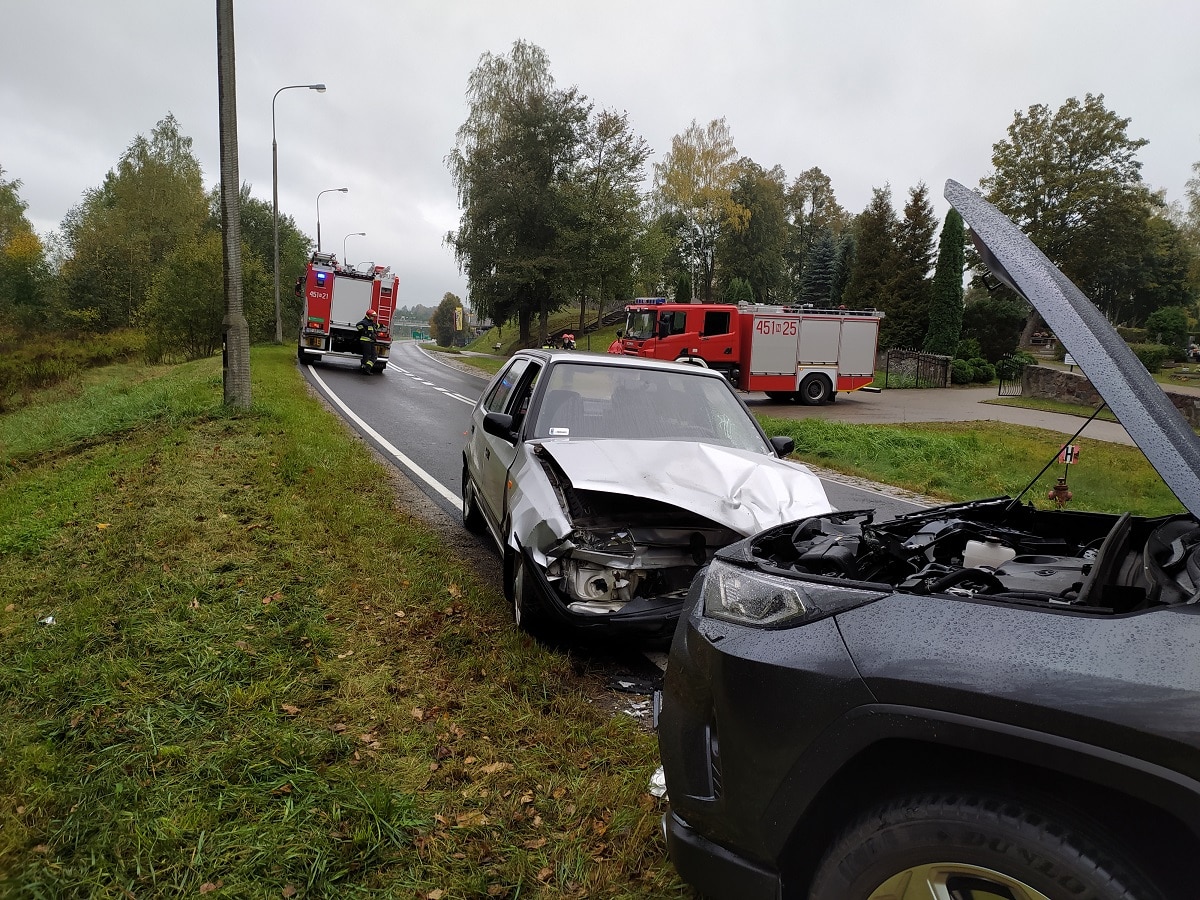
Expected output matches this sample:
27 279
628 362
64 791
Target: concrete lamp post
345 258
319 193
320 89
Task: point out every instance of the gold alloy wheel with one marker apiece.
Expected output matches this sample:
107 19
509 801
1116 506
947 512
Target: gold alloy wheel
953 881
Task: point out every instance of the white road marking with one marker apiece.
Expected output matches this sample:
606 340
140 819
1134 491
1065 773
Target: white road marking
387 445
441 390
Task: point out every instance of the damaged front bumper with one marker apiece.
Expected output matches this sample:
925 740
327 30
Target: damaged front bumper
647 617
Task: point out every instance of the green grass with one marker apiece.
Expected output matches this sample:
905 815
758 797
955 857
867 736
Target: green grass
970 460
1055 406
263 675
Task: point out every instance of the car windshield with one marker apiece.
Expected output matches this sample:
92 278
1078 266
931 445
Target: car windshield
639 325
626 403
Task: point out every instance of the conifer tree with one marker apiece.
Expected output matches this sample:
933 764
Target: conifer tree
946 304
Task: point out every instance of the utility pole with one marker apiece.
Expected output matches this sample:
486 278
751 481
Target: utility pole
235 348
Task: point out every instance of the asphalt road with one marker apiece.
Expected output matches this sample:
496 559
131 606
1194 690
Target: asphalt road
417 414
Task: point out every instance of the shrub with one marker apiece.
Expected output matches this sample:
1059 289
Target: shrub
1132 335
960 372
1152 356
983 373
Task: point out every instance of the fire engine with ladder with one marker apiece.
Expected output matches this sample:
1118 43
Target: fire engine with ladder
335 300
791 353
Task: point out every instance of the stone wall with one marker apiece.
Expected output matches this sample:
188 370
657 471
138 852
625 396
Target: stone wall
1073 387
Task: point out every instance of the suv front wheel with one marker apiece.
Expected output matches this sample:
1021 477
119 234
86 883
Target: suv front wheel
964 844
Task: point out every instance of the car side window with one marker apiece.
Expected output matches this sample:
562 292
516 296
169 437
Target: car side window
498 397
518 404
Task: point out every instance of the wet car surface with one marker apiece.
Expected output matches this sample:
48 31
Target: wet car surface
981 700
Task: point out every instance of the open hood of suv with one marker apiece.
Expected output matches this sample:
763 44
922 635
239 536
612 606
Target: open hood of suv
1136 399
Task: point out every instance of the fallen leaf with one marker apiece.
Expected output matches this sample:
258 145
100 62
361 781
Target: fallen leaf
289 890
289 709
537 844
339 727
527 797
470 759
454 591
209 886
436 894
344 655
195 604
10 607
101 525
473 817
493 768
418 713
545 873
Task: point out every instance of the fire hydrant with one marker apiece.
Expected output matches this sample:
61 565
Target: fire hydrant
1060 493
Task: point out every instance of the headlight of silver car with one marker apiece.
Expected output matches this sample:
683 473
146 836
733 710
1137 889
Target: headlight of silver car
770 601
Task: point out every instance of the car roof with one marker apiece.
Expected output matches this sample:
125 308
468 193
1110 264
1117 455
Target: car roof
1137 400
612 359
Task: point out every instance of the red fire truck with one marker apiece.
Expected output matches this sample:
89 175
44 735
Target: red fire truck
791 353
335 300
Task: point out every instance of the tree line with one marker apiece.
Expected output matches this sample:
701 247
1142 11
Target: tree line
552 217
143 250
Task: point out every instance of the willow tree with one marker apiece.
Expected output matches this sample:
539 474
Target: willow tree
512 157
696 179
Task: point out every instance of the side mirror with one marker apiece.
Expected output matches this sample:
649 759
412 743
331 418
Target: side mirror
499 425
784 446
620 333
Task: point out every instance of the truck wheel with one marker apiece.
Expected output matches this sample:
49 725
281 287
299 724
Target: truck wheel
307 358
379 367
472 516
960 843
780 396
815 390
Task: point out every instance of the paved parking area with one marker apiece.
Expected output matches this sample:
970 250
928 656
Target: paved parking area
953 404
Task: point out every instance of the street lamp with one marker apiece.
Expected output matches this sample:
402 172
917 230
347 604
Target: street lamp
319 193
320 89
345 259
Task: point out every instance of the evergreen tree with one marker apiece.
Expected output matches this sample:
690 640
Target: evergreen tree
946 303
683 289
843 263
908 315
817 284
739 291
872 276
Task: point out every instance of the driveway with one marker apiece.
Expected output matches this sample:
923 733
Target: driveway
954 404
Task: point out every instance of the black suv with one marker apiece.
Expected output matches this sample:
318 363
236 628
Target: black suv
982 701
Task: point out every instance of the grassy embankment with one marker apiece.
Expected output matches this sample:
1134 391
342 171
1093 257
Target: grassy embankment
264 680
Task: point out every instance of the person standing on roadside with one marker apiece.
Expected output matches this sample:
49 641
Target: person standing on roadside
368 332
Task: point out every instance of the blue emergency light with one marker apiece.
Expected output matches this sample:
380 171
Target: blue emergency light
321 278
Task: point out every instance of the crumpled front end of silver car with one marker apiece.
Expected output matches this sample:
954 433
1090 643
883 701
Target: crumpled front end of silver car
602 525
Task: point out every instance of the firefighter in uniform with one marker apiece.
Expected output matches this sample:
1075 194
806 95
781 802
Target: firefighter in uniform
368 331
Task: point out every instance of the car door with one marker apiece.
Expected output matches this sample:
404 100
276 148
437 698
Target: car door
496 454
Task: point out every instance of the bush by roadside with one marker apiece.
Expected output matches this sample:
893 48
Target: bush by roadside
31 361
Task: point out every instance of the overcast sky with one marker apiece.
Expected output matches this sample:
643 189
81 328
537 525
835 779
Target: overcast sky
871 91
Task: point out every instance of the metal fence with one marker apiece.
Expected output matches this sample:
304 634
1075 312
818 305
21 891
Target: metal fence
1011 373
915 369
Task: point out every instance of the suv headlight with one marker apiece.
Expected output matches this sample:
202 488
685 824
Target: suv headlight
748 597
